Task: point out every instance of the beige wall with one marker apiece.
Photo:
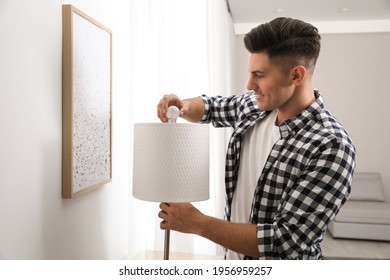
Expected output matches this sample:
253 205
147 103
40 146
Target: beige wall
353 75
35 222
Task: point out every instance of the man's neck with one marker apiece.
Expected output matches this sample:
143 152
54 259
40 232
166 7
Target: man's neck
301 100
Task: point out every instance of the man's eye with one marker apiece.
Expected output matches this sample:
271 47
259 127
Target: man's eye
258 75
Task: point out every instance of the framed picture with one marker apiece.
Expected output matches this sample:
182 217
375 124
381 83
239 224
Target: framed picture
86 99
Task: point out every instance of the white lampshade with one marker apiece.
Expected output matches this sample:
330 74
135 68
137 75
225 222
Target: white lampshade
171 162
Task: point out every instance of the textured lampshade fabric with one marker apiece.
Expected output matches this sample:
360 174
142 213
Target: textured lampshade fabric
171 162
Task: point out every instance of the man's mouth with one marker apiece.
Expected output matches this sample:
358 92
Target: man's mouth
258 95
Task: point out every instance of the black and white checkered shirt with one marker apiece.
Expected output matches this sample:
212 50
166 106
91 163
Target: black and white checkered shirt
305 181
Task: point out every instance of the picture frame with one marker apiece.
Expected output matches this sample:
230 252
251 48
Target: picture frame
86 103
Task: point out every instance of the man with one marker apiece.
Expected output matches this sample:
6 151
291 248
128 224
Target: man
289 162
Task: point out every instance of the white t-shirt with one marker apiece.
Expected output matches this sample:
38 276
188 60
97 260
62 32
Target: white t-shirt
256 145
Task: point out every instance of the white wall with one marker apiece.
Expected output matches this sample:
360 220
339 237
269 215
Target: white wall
353 75
35 222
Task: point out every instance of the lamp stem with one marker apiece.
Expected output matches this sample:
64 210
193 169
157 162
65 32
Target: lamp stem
166 244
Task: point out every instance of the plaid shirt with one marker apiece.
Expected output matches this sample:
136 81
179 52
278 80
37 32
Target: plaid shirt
305 181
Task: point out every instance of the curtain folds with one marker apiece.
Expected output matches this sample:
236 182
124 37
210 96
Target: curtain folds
184 47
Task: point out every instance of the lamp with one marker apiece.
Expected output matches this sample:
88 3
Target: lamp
171 163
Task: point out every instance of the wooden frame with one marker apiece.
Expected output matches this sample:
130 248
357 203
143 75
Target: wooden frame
87 98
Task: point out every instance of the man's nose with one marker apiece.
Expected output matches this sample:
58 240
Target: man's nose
251 85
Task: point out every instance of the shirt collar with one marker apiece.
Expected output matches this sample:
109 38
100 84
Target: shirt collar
293 125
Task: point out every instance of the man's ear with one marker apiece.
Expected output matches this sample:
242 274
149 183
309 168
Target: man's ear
298 74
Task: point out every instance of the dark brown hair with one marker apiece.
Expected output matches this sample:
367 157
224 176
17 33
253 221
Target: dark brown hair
287 41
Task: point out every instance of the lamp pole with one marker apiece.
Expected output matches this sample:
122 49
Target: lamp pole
166 244
172 114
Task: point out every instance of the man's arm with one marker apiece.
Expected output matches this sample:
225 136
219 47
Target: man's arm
184 217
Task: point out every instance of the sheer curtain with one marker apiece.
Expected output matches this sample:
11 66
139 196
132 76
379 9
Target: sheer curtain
184 47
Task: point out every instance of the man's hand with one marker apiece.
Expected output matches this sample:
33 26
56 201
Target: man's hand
185 218
182 217
191 110
170 100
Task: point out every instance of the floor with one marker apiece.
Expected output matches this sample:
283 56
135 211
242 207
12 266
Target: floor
158 255
333 249
337 248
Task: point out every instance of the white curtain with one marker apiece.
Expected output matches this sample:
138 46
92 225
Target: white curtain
184 47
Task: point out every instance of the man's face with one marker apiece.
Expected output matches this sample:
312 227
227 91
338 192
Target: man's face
272 86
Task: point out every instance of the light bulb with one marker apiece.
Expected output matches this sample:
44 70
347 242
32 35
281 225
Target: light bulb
172 114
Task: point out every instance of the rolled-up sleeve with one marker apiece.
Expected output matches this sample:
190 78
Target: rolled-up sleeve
228 111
